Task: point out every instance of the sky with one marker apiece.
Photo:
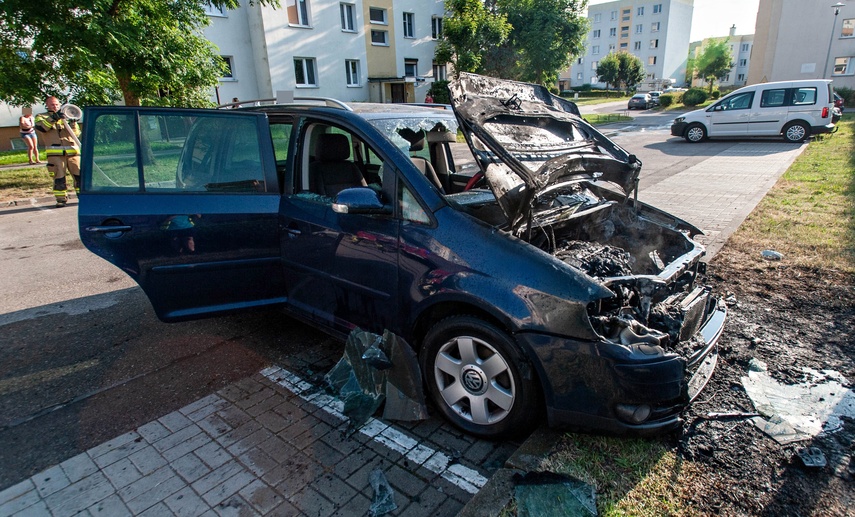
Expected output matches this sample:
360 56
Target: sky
715 17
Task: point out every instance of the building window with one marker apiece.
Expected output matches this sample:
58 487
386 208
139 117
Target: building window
298 12
411 67
611 48
640 11
595 34
595 50
579 61
304 71
639 28
377 15
597 17
744 47
624 31
351 70
579 76
212 10
743 62
436 27
654 43
379 37
595 79
651 60
613 16
347 17
740 77
654 27
848 29
623 46
636 45
657 8
841 66
613 32
727 78
229 71
625 15
409 25
594 65
439 72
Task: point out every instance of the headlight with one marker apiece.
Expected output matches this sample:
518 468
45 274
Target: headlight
679 119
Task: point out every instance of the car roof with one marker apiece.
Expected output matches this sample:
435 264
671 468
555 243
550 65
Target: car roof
365 110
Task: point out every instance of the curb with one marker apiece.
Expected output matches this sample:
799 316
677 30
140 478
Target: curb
495 495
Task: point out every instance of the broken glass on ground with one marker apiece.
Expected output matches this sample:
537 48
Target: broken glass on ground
797 412
546 494
384 497
375 369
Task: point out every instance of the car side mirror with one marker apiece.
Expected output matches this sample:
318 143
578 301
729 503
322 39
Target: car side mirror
718 107
360 200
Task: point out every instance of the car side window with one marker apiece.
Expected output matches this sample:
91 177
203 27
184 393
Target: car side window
804 96
172 153
738 102
773 98
411 210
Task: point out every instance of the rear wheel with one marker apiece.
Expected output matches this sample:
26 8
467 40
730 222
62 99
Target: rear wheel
695 133
796 132
473 377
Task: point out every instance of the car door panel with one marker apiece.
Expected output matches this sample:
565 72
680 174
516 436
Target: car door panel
197 228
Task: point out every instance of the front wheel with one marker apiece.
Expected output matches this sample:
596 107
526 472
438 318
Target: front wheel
695 133
473 376
796 132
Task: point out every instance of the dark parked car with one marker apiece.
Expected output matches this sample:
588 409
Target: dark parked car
838 102
551 291
640 101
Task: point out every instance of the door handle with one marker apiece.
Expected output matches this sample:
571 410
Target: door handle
293 232
108 229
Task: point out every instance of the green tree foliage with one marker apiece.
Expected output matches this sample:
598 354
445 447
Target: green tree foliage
713 62
100 51
694 96
545 36
621 69
467 32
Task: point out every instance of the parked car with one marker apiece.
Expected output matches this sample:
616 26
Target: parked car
792 109
640 100
551 291
838 102
654 97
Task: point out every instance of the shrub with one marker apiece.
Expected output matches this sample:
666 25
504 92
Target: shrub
694 96
716 94
848 95
439 92
666 99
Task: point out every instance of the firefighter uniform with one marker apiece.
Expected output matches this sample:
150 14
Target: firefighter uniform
63 153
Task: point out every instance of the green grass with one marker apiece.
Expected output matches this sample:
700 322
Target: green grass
17 157
25 183
596 119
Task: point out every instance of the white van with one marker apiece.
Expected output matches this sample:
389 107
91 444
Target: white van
793 109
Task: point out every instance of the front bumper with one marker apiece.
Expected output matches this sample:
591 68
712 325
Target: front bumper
678 128
586 382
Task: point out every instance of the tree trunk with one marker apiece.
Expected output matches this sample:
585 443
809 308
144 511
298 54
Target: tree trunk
131 99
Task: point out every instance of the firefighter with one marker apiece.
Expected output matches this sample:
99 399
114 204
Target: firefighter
63 150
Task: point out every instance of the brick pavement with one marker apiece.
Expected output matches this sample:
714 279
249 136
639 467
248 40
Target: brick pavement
270 444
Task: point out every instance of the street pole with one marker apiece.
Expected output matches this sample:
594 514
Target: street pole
836 8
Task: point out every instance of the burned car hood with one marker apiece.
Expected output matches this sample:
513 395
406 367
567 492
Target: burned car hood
529 142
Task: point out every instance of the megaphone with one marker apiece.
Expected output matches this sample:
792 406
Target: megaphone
71 112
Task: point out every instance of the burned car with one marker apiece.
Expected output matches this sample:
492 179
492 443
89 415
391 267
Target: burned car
539 285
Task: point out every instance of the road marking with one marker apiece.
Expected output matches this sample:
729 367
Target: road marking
437 462
28 381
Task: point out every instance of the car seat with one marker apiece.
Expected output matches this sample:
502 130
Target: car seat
332 171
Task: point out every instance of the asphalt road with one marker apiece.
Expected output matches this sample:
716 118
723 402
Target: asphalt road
83 358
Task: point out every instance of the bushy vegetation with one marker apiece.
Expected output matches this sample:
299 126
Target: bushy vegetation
666 99
848 95
716 94
694 96
439 92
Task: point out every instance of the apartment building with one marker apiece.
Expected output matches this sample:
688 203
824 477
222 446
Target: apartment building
657 31
798 39
740 55
354 50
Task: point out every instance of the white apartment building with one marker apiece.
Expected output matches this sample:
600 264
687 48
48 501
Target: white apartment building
353 50
804 39
657 31
740 55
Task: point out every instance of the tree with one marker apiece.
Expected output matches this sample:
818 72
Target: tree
713 62
469 30
100 51
621 69
545 36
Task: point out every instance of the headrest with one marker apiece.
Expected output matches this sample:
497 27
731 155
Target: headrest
415 138
332 147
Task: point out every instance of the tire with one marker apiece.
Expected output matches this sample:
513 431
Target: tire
695 133
473 377
796 132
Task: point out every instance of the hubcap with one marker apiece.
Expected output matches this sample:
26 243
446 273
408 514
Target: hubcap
474 380
695 134
795 132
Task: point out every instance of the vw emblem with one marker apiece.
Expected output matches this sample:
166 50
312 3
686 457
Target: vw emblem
473 380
